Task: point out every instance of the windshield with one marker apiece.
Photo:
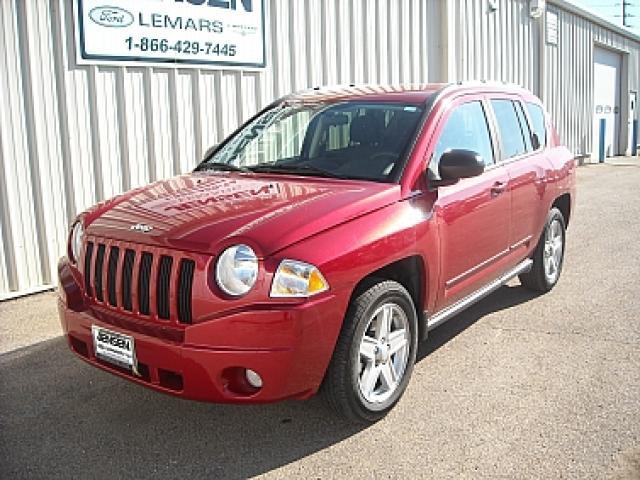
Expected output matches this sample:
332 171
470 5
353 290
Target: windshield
344 140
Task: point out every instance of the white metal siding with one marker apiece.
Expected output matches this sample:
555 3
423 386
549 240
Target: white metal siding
505 45
72 135
500 44
568 90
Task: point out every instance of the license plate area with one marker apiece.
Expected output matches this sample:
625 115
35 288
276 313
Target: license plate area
115 348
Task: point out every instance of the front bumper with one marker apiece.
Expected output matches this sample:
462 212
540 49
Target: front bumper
288 346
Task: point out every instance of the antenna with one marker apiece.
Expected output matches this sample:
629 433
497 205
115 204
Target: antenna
625 13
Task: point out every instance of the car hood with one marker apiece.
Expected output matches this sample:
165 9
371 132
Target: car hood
204 212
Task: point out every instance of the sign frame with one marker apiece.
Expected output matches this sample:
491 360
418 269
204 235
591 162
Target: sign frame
84 58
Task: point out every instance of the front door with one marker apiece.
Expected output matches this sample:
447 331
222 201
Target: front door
473 216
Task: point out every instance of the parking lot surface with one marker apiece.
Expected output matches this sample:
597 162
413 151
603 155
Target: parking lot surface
518 386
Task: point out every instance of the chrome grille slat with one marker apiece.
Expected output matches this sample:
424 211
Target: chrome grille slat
112 267
185 285
88 256
127 274
98 271
143 282
163 286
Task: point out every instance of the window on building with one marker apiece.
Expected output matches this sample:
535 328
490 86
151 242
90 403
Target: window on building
467 129
537 122
509 128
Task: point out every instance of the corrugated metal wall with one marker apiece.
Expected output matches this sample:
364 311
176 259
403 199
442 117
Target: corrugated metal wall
73 135
493 44
504 44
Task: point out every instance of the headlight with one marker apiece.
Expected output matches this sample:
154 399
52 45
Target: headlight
75 242
297 279
237 270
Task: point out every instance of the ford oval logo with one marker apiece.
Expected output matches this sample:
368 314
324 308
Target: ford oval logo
111 16
141 227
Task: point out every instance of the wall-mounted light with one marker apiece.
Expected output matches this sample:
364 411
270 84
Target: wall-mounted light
536 8
493 5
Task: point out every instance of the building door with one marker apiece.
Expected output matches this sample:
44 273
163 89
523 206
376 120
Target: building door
606 96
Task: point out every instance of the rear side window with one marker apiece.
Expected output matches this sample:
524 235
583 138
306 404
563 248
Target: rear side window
524 126
467 129
537 122
509 128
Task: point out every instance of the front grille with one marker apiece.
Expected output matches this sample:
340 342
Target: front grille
147 285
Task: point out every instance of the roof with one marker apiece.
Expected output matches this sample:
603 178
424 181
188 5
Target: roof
410 93
407 93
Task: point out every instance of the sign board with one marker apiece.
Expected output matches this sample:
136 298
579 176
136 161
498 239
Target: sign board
552 27
202 33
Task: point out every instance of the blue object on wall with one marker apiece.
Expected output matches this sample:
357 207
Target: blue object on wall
603 131
634 137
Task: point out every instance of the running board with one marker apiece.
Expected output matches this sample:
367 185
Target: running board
452 310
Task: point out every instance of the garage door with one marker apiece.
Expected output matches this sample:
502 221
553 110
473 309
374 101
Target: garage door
606 71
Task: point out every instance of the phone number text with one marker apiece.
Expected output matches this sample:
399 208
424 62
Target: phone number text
146 44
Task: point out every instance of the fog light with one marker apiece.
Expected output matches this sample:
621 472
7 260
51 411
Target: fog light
253 378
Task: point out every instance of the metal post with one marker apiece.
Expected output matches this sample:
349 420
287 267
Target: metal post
634 138
603 131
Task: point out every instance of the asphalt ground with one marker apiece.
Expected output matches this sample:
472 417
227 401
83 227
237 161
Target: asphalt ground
518 386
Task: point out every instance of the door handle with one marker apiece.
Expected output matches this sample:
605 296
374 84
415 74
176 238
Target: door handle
498 188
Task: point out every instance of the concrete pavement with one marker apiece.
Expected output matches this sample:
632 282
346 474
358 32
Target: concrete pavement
519 386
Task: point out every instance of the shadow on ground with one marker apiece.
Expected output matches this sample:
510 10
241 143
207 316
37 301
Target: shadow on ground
61 418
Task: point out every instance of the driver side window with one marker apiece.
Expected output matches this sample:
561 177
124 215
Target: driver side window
467 129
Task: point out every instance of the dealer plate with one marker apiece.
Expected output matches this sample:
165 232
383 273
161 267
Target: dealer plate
113 347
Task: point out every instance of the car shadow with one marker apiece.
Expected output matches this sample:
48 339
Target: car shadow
60 418
505 297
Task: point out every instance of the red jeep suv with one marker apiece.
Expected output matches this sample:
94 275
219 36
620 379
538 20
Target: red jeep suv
314 247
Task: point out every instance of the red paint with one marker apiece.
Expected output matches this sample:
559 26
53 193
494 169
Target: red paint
346 228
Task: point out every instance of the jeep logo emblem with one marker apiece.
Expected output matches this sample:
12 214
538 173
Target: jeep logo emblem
111 16
141 227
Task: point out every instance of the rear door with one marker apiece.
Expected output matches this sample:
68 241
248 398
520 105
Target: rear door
523 157
473 215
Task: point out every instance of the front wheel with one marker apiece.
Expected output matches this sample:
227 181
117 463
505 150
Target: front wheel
374 355
548 257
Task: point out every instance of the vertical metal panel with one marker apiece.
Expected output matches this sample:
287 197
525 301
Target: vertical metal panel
71 136
569 81
498 44
504 45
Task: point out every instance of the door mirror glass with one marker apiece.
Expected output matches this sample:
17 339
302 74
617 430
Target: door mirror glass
459 163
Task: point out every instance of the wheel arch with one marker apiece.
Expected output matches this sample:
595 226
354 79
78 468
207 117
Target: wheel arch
563 203
411 273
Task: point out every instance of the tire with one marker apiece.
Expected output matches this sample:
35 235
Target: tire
543 276
366 378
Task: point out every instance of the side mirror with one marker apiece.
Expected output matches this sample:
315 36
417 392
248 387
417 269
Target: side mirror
209 151
457 164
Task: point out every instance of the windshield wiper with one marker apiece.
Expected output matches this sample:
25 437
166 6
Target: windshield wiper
295 169
220 167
